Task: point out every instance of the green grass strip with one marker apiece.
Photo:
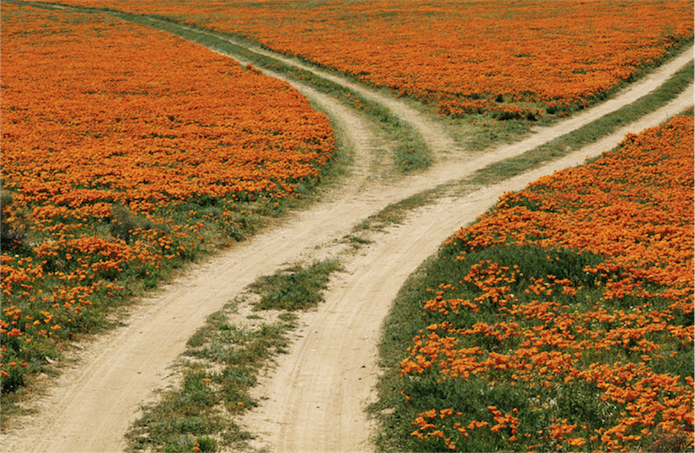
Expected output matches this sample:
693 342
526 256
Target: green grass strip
222 362
220 365
295 288
587 134
396 213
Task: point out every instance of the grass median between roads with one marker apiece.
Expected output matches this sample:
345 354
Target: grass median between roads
223 361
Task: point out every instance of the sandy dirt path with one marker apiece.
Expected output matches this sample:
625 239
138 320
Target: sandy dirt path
317 395
92 404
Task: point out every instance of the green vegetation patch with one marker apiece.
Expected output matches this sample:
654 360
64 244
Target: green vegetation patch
220 365
295 288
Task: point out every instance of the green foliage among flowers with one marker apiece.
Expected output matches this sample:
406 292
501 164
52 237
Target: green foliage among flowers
562 320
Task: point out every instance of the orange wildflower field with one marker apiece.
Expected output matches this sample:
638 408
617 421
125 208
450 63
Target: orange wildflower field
521 59
126 151
562 320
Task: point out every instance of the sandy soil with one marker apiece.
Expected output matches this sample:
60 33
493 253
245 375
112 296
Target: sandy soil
317 393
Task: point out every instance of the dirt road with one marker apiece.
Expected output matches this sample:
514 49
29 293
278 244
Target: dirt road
317 394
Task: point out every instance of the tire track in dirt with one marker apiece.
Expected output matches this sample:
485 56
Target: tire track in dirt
93 403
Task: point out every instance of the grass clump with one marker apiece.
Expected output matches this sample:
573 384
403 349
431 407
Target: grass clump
295 288
356 241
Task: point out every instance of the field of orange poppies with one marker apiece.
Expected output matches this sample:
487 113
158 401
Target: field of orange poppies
507 60
562 320
125 152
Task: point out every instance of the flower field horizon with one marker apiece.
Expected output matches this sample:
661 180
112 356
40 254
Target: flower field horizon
561 320
507 60
127 151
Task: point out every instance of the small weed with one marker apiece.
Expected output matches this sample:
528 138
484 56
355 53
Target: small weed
356 242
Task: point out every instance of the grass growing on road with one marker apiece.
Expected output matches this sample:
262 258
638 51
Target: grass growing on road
295 288
396 213
222 363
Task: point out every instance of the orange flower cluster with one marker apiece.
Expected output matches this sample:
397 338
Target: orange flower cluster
122 147
633 207
597 357
461 56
